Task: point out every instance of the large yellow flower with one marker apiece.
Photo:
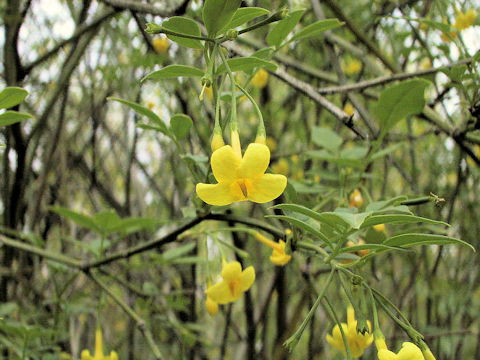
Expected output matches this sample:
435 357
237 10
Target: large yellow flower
241 179
235 282
357 342
98 355
279 256
409 351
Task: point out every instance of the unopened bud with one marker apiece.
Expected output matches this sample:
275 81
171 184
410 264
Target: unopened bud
232 34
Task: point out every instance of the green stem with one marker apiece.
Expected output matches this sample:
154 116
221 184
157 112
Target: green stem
308 246
157 29
261 125
41 252
293 340
233 115
337 321
140 322
279 15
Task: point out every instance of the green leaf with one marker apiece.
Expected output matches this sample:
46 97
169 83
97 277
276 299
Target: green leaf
150 127
144 111
455 73
12 117
304 226
398 219
218 13
330 219
367 247
244 15
281 29
183 25
173 72
386 151
326 138
355 220
132 225
11 96
399 101
413 239
316 29
180 125
246 64
178 251
78 218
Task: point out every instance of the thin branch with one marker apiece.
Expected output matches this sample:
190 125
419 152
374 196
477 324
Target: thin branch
386 79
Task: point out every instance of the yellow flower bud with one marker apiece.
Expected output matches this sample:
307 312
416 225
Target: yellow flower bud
356 199
380 228
351 67
349 109
281 167
260 79
160 44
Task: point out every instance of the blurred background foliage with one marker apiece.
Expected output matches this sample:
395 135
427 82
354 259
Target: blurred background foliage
85 153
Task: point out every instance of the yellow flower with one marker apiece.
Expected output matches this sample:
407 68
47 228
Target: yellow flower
349 109
241 179
356 199
281 167
85 355
425 64
351 67
357 342
279 256
212 306
260 79
209 93
464 20
160 44
380 228
409 351
235 282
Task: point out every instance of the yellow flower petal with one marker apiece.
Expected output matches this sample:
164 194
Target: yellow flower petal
217 194
85 355
255 161
212 306
224 164
266 188
247 278
113 355
220 293
410 351
231 270
386 355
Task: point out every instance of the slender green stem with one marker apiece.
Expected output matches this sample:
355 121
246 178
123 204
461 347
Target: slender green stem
157 29
261 125
41 252
140 322
233 115
279 15
293 340
308 246
332 313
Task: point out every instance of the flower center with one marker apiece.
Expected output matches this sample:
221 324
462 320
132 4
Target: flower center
243 186
233 286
